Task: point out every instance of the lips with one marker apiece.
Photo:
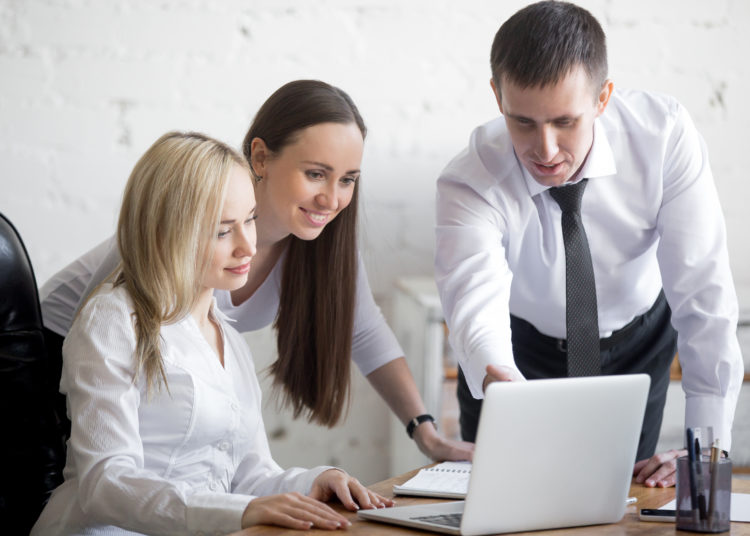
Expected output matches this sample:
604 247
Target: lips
318 219
242 269
548 169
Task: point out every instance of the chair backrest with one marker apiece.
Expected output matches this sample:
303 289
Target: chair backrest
32 453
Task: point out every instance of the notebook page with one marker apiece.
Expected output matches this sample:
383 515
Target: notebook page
445 478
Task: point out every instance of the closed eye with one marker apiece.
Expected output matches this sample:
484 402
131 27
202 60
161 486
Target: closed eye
564 122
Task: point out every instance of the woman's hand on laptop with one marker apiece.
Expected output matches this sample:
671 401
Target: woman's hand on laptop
501 373
660 470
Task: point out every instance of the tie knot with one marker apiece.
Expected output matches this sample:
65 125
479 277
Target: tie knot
569 197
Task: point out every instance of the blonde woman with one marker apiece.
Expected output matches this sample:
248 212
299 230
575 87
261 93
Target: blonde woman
167 435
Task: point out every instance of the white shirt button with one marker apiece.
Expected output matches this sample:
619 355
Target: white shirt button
224 445
213 486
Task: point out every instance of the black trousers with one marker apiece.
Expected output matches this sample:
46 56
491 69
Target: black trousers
646 345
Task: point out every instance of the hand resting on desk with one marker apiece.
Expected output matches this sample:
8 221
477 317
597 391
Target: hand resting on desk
297 511
660 470
348 490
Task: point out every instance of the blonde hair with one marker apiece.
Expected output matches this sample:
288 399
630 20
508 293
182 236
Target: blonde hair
170 211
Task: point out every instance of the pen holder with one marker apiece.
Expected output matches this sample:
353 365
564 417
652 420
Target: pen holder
704 494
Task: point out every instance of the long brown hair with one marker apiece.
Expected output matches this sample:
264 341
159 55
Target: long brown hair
170 211
318 288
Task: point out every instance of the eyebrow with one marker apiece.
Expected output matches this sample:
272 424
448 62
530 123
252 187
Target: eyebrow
227 222
562 117
326 166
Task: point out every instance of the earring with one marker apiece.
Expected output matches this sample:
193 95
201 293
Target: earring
257 177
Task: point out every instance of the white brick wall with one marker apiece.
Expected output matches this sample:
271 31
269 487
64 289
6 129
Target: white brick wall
87 85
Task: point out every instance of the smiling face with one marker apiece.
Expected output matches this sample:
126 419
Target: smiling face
308 182
234 244
552 127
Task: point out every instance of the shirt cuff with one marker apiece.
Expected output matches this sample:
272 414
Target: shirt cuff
475 369
306 482
216 513
714 411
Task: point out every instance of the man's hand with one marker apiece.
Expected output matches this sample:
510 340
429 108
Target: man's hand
501 373
660 470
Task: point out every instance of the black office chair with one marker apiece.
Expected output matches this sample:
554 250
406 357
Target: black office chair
32 451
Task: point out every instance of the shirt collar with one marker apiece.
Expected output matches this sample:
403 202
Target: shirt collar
599 163
218 313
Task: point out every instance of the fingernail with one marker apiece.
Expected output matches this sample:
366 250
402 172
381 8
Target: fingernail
650 483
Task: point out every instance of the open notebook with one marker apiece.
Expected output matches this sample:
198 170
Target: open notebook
447 480
549 454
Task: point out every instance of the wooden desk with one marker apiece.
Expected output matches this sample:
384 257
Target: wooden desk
630 524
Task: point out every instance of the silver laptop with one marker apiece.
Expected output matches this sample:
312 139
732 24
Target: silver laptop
549 454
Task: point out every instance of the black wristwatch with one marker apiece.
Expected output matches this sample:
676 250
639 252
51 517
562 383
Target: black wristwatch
416 421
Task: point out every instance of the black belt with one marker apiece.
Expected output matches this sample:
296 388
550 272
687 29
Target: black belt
604 344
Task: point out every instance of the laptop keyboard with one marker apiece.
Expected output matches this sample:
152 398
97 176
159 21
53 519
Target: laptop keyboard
449 520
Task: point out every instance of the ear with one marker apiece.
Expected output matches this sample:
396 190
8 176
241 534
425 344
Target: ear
260 154
496 92
604 94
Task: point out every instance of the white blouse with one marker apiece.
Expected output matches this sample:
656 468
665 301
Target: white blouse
373 342
186 460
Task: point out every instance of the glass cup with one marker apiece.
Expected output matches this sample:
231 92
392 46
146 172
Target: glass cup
704 494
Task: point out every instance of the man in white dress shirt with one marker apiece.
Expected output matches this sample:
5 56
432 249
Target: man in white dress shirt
651 223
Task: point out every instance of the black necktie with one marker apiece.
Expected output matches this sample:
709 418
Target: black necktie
581 316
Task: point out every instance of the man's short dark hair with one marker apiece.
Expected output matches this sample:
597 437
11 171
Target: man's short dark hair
543 42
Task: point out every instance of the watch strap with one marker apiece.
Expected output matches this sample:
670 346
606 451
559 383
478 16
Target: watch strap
416 421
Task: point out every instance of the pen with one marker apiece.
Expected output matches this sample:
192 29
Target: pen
699 478
692 477
714 481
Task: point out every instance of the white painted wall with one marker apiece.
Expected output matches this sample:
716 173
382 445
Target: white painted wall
87 85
